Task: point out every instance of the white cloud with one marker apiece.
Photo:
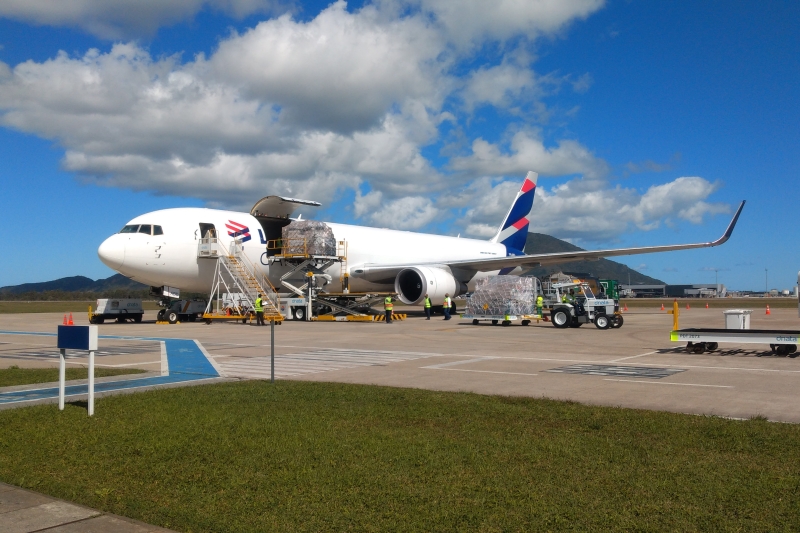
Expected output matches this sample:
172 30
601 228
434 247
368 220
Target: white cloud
593 210
409 213
500 85
116 19
340 71
529 153
469 21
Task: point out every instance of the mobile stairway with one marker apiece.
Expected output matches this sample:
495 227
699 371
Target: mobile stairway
234 274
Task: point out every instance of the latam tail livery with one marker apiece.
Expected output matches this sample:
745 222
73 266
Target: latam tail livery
160 249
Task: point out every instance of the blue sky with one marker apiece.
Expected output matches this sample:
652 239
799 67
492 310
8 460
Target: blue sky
647 121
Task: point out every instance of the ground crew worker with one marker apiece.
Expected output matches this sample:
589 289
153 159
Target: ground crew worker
427 308
539 305
446 306
388 307
259 311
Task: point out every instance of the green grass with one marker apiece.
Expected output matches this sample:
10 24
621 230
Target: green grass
76 307
25 376
298 456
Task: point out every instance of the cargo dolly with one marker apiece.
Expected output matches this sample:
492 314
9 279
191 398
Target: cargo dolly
504 320
700 340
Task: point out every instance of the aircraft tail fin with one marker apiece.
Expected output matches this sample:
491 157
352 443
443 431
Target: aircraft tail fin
513 232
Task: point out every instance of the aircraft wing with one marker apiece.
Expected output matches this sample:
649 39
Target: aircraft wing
534 260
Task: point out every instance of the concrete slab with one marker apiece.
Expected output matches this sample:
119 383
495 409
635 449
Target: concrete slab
736 381
46 515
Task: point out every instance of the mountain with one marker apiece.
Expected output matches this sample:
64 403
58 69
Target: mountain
117 282
540 243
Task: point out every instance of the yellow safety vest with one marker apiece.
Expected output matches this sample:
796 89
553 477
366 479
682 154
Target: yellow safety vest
387 304
427 302
447 302
259 307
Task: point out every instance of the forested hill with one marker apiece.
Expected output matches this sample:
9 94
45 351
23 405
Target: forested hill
76 288
539 243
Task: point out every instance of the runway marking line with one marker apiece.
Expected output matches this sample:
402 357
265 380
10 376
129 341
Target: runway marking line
668 383
480 371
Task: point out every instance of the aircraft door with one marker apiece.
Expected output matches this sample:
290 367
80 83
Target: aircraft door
208 230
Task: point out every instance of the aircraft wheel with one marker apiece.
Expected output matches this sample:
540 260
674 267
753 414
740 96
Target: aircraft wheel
602 322
560 317
172 317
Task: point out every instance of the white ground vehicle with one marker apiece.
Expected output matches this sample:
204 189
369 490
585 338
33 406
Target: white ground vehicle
182 310
119 309
582 307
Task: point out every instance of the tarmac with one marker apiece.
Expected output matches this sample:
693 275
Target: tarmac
636 366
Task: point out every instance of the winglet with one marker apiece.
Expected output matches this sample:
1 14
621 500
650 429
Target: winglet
729 231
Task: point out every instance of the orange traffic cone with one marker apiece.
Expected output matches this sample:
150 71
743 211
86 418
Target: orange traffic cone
768 311
687 306
70 323
626 307
65 320
706 305
662 307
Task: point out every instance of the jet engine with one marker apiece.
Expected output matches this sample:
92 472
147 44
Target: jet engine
412 284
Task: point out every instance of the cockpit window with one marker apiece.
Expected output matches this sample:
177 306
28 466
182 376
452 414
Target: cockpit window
130 229
145 228
157 230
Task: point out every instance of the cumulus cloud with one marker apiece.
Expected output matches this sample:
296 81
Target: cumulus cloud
526 152
594 210
116 19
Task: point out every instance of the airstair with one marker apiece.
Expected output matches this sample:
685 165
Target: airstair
236 277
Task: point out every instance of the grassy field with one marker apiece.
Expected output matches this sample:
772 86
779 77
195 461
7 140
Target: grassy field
298 456
26 376
77 308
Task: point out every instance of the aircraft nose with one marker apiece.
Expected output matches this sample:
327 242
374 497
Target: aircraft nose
112 252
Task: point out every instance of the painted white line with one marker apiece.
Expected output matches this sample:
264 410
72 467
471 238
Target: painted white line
479 371
164 360
208 357
123 365
465 362
668 383
632 357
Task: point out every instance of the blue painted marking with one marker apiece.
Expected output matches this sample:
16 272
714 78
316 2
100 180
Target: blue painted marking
186 363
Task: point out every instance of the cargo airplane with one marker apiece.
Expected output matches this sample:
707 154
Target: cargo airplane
160 249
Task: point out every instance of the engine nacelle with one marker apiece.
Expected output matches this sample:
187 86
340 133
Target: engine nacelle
413 283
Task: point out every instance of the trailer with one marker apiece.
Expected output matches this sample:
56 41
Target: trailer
119 309
504 320
700 340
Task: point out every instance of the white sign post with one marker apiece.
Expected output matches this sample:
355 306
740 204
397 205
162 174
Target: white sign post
76 338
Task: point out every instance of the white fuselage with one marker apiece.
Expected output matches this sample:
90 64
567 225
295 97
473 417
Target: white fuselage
171 258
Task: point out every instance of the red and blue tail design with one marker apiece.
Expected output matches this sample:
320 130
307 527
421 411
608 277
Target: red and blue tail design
514 230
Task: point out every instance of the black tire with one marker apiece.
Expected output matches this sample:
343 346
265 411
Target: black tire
699 347
526 322
299 313
172 317
575 323
494 322
560 317
782 349
99 320
137 319
208 321
161 314
711 346
602 322
689 347
475 321
244 320
617 321
506 323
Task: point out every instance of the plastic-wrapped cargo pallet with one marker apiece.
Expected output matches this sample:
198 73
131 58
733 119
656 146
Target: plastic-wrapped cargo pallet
503 295
308 237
